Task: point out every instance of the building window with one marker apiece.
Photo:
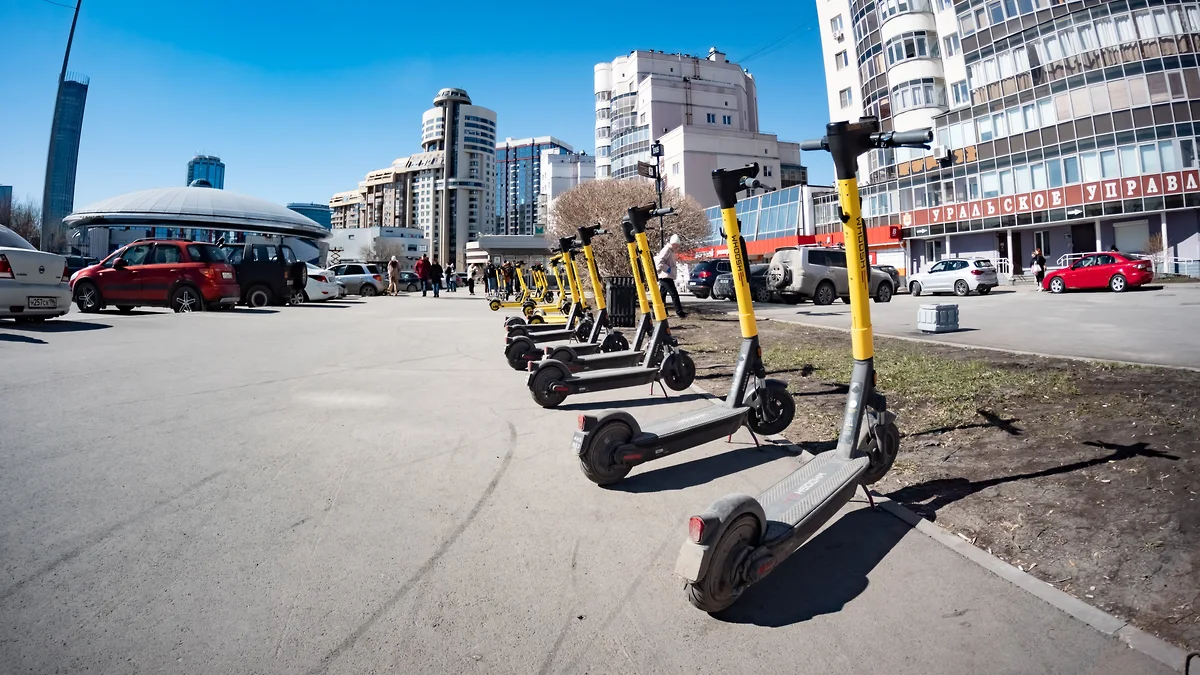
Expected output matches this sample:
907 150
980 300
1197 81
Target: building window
712 118
835 24
767 170
727 119
913 45
675 168
1042 240
840 60
961 95
845 98
951 44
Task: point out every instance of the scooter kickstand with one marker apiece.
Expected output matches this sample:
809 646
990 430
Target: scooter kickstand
755 437
870 498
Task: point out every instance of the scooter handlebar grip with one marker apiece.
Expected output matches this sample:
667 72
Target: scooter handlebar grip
916 137
813 144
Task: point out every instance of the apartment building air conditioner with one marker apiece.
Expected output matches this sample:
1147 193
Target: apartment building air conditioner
838 35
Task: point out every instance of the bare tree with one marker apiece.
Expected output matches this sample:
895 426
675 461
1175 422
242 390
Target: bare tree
26 220
605 202
381 249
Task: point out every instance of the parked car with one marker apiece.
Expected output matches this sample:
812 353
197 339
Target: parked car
269 274
360 278
409 281
820 273
183 275
955 275
34 285
78 262
892 272
704 274
1112 270
321 285
723 286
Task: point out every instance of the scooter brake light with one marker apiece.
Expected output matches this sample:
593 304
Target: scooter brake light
582 418
696 529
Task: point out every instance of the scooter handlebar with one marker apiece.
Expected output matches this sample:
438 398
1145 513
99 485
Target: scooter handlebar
814 144
755 184
918 138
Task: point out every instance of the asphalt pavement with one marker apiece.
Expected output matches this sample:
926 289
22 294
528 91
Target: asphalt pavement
365 486
1156 326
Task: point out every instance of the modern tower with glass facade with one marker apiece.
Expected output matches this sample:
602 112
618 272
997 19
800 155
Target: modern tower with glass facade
207 168
519 181
58 195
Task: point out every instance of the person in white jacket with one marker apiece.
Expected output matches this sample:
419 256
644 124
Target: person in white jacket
664 262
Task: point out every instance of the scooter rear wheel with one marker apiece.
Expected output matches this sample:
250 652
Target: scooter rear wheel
678 371
882 458
614 342
494 305
541 388
719 587
528 310
562 354
515 353
514 321
536 318
774 414
597 461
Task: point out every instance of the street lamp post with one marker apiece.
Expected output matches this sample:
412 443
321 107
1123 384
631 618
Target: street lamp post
656 151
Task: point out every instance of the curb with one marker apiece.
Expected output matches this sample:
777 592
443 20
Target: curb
1135 638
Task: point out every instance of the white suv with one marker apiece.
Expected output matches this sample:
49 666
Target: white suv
819 273
959 276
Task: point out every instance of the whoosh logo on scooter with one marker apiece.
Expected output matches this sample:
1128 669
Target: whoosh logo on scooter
808 485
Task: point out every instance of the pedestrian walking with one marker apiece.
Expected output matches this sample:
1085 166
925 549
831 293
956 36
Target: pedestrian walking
393 276
435 273
509 274
451 280
1037 265
664 262
422 270
489 278
471 278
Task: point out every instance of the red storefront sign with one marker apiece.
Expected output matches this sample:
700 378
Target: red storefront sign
1155 185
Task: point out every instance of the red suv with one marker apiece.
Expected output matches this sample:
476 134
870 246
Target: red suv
186 276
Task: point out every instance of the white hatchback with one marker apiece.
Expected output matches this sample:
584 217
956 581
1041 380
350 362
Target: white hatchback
321 285
959 276
34 285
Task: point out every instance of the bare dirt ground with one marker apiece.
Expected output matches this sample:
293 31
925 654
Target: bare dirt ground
1085 475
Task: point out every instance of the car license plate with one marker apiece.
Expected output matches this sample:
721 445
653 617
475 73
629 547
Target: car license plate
42 303
577 442
226 275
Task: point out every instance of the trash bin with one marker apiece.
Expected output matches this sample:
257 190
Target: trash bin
937 318
621 297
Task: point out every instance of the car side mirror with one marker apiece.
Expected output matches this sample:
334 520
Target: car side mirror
120 264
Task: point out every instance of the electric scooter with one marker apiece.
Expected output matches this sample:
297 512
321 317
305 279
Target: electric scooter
663 361
495 304
740 539
593 356
576 317
521 348
611 443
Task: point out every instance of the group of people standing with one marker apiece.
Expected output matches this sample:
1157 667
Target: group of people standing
508 275
431 275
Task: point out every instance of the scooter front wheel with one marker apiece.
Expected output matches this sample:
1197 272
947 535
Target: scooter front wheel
721 584
536 319
584 330
883 455
678 371
528 310
494 305
614 342
597 461
774 413
543 388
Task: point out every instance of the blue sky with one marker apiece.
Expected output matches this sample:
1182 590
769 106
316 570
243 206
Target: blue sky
301 99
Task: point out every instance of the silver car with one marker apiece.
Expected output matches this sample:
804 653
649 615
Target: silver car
360 278
959 276
819 273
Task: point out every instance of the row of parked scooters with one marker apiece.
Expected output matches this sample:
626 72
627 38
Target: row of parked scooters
739 539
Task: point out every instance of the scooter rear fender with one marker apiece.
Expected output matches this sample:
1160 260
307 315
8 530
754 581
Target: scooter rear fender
538 366
694 558
590 422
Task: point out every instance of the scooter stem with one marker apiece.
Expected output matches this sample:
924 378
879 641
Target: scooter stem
639 216
728 182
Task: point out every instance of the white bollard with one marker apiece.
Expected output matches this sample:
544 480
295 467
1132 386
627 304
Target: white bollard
937 318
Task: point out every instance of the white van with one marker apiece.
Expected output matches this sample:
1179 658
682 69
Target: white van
819 273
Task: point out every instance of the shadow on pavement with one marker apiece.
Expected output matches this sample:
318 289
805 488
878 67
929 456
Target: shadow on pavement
633 402
824 575
325 304
55 326
251 310
8 337
926 499
701 471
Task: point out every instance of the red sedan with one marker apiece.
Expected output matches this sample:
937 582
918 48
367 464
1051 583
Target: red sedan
1112 270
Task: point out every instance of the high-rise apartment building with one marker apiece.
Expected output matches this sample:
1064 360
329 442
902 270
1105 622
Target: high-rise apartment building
207 168
5 204
1064 127
447 190
519 181
58 195
319 213
560 173
704 110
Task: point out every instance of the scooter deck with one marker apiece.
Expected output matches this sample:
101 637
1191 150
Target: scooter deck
810 495
690 428
612 378
607 360
552 335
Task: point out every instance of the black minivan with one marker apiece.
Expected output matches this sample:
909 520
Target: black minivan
704 273
269 274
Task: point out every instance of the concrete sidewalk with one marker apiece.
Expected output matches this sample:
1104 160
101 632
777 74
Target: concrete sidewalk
400 504
1158 326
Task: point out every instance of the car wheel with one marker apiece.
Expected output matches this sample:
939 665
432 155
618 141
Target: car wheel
825 294
367 291
883 293
915 289
411 288
1057 285
702 294
1118 284
87 297
187 299
961 289
762 294
259 296
124 309
983 290
297 298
